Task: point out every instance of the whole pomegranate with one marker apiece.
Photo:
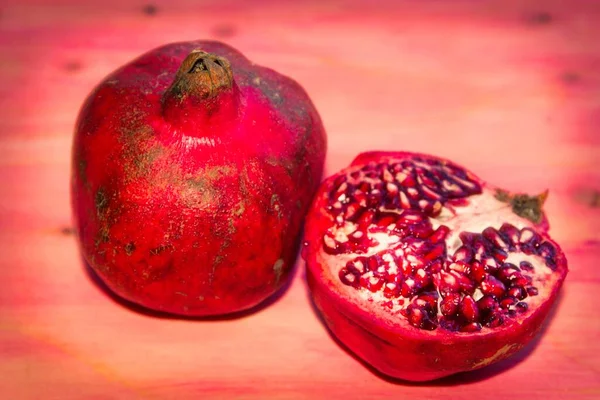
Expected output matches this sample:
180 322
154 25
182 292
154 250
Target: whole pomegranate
423 270
193 169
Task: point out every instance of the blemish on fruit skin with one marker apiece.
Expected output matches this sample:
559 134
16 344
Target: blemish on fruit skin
278 269
275 205
500 354
81 167
100 201
129 248
159 249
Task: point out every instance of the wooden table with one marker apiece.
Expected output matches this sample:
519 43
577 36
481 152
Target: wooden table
509 88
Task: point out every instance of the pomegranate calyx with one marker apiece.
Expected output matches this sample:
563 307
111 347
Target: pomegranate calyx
524 205
202 75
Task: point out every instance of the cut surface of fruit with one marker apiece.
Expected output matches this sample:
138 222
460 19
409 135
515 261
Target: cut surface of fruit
420 247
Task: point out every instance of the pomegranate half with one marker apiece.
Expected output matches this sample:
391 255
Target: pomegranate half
192 171
423 270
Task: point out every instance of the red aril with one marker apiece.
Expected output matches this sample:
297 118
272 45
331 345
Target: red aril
193 169
423 270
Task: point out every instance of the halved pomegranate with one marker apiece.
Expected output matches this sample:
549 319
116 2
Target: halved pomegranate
423 270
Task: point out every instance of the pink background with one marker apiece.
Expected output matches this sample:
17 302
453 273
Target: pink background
509 88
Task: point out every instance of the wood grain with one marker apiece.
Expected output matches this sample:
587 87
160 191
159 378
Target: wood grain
509 88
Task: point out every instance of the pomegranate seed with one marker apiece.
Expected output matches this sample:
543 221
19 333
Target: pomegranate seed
404 202
449 304
386 175
471 327
365 219
408 288
371 283
330 245
487 304
448 284
421 231
436 251
395 168
439 234
464 254
392 189
494 320
429 180
494 237
529 236
517 292
410 217
430 193
374 198
364 187
356 236
521 280
508 302
529 241
510 232
458 202
348 278
450 324
500 255
419 317
436 208
469 185
452 189
407 268
339 182
467 237
422 278
429 299
532 291
466 285
468 309
477 271
506 273
357 266
360 198
460 266
386 219
435 267
369 263
492 286
526 266
413 193
490 264
382 273
546 250
391 290
521 306
409 180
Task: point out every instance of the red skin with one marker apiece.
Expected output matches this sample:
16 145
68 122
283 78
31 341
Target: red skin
192 205
398 349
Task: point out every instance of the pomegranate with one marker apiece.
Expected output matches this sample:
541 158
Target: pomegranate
192 171
423 270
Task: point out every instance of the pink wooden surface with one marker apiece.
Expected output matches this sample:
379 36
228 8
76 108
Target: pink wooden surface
509 88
